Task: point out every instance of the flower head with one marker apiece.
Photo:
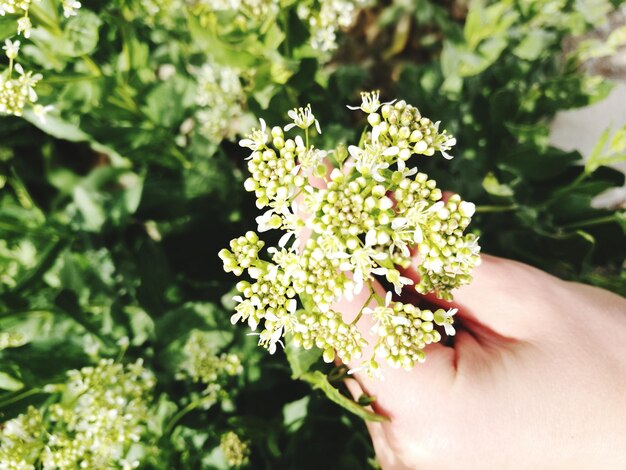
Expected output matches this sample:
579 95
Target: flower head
11 48
257 139
363 223
303 118
370 102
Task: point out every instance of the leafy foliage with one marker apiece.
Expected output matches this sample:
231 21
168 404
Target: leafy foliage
114 206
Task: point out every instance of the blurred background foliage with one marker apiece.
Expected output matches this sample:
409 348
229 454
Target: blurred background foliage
114 204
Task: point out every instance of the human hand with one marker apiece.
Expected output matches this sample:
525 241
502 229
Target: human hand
535 379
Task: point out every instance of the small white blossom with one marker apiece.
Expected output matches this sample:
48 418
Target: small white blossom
303 118
12 48
370 102
70 7
257 139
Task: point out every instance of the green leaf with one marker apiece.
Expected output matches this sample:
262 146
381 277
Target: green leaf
495 188
535 44
607 152
10 383
235 55
295 412
81 34
179 322
93 213
530 164
319 381
57 127
301 360
8 27
484 23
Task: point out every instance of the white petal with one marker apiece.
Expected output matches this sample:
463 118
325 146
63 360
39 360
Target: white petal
451 312
375 133
391 151
418 235
284 239
399 222
354 151
446 155
378 177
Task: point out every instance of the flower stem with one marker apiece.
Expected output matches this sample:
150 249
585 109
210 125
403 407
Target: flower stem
369 299
508 208
591 222
181 413
21 396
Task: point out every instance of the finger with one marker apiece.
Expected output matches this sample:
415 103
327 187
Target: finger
387 455
510 298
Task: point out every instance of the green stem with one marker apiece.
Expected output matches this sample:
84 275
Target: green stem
181 413
369 299
40 17
65 80
31 231
21 396
15 313
92 66
484 209
591 222
285 17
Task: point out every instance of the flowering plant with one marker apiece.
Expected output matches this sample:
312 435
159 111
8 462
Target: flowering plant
363 222
123 179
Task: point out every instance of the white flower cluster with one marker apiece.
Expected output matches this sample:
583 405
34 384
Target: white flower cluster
22 9
364 224
219 96
70 7
325 17
17 91
234 449
203 366
101 412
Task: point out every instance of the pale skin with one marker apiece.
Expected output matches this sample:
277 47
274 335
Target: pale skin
536 378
